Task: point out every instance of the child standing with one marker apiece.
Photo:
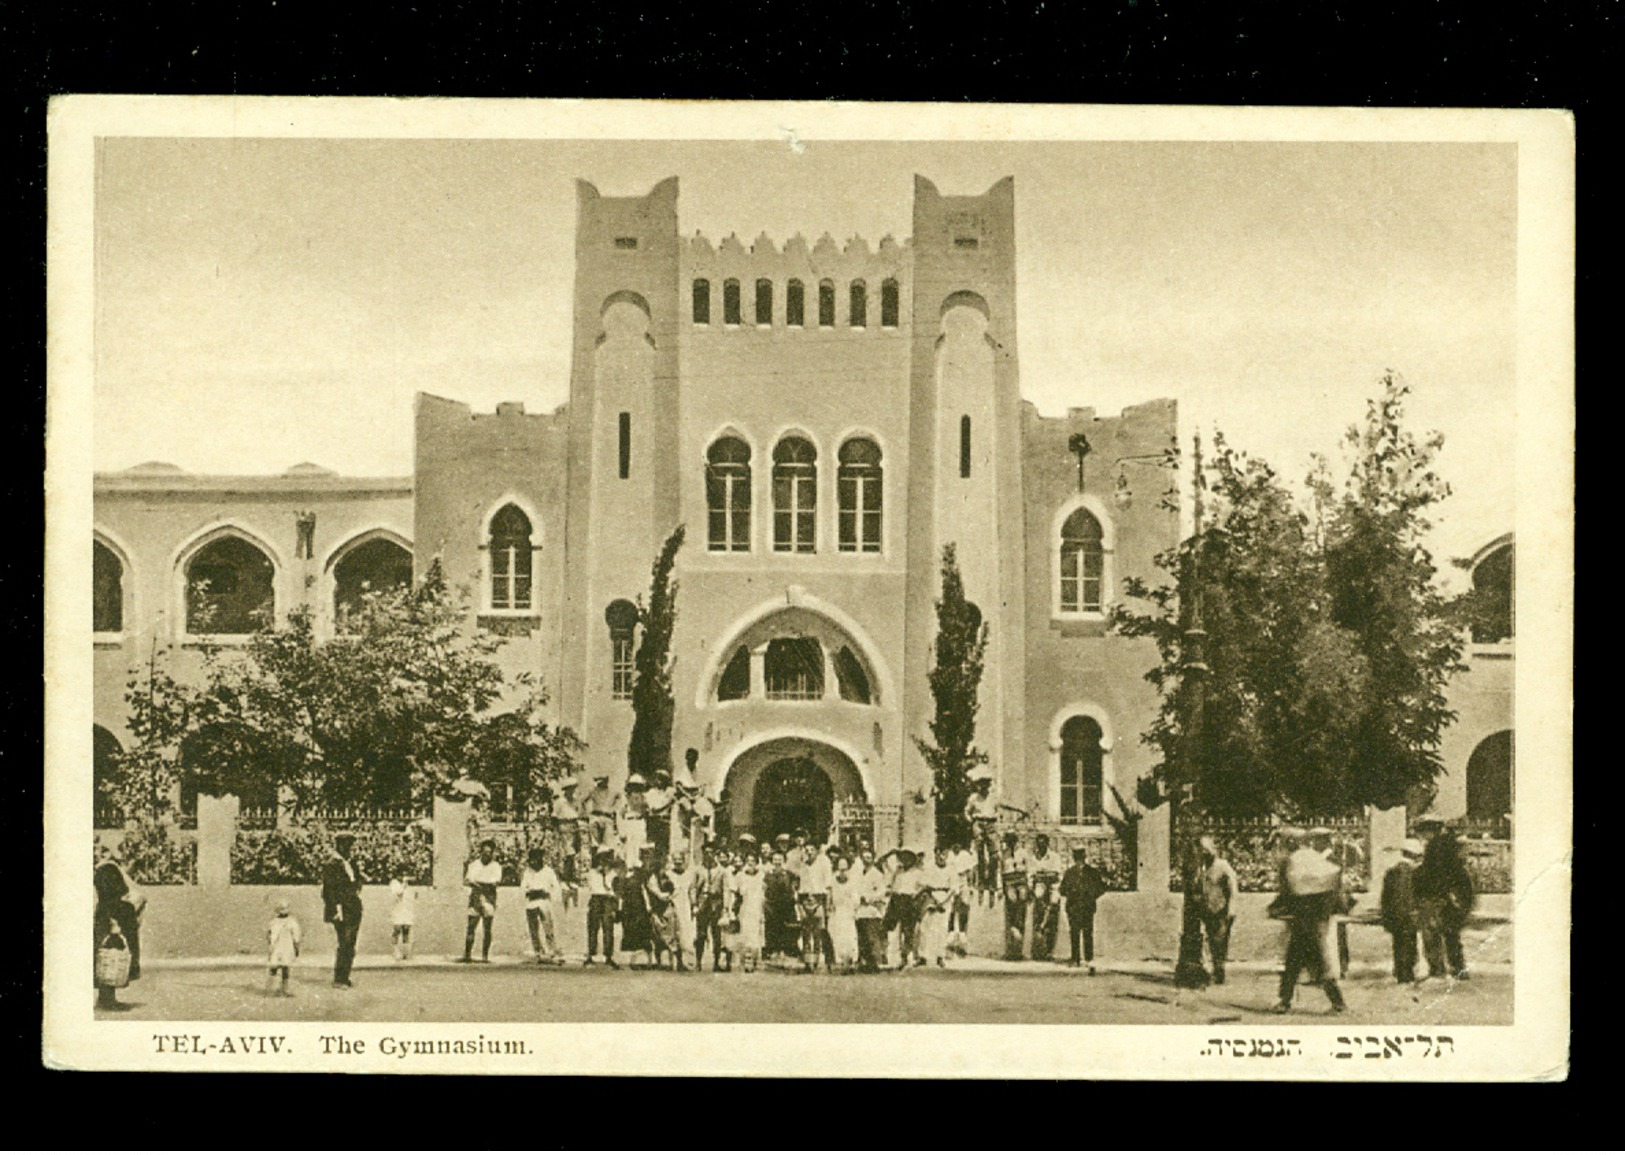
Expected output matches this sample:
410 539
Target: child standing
401 917
285 936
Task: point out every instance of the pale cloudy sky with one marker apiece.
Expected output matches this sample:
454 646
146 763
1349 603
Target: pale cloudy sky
264 302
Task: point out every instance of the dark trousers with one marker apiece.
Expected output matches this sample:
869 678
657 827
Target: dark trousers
1015 927
1405 938
1080 923
1443 945
601 920
1305 952
871 943
1217 928
709 927
1046 927
348 929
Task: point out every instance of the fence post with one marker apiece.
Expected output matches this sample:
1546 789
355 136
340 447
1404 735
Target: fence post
216 831
1387 833
1153 838
450 841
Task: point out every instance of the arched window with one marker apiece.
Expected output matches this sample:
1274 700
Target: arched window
826 303
794 669
888 303
734 685
851 678
795 304
229 588
858 482
702 301
795 496
374 566
510 559
106 778
727 495
1080 772
622 618
764 301
1493 591
1083 562
730 302
1489 778
858 313
107 574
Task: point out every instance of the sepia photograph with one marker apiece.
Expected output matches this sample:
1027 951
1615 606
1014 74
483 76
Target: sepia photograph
556 566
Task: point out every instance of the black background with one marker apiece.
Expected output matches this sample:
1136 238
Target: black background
1534 55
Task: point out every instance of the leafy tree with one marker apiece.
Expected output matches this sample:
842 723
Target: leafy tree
649 751
956 676
402 701
1323 644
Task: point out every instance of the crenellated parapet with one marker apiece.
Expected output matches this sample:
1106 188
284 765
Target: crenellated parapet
735 275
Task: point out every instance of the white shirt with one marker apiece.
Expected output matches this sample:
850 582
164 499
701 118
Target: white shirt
546 880
816 876
489 873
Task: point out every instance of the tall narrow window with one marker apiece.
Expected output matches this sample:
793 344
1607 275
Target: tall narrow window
794 669
108 590
850 677
1080 772
964 446
795 496
229 588
1082 564
622 618
858 313
626 445
510 559
730 302
795 304
702 301
858 482
727 495
826 303
734 685
764 302
888 303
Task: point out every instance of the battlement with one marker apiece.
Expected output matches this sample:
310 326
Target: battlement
1143 430
824 259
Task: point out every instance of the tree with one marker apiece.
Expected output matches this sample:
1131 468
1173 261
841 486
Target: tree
1322 640
402 701
649 750
956 676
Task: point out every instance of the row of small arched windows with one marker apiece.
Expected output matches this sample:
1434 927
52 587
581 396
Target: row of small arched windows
858 483
795 303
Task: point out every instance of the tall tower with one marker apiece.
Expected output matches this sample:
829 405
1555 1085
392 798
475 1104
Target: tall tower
965 448
622 467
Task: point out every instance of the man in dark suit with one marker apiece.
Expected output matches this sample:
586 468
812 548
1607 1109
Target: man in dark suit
341 905
1081 888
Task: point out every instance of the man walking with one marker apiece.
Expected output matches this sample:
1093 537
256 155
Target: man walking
1219 887
1399 910
1308 897
341 905
1080 889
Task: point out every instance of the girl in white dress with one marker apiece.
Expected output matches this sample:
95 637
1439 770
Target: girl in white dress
845 892
749 905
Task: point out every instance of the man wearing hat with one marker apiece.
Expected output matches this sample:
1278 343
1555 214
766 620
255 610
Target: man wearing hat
1044 870
600 806
1399 909
567 821
1081 888
341 904
632 819
982 812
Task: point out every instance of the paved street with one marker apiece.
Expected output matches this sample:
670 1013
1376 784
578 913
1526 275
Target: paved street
978 992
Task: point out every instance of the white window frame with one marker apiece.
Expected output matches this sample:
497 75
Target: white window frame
1107 554
1108 741
488 567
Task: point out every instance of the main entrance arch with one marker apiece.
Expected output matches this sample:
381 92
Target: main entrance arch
781 785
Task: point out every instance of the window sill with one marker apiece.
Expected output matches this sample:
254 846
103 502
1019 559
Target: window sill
1079 625
224 641
109 641
509 623
1495 650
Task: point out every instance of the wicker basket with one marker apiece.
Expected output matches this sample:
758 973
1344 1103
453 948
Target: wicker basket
113 962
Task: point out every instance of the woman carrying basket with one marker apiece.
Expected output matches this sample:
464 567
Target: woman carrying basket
117 925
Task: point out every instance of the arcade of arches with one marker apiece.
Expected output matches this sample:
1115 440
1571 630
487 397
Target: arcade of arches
797 655
1489 778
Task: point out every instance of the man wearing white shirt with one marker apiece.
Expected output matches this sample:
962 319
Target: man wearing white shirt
962 874
541 887
484 875
813 895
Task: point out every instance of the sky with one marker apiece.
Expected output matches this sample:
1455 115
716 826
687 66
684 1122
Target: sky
263 302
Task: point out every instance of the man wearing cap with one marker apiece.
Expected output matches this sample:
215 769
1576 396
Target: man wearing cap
1080 889
1399 910
601 906
1219 886
1013 877
567 821
1309 894
658 801
982 813
601 805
